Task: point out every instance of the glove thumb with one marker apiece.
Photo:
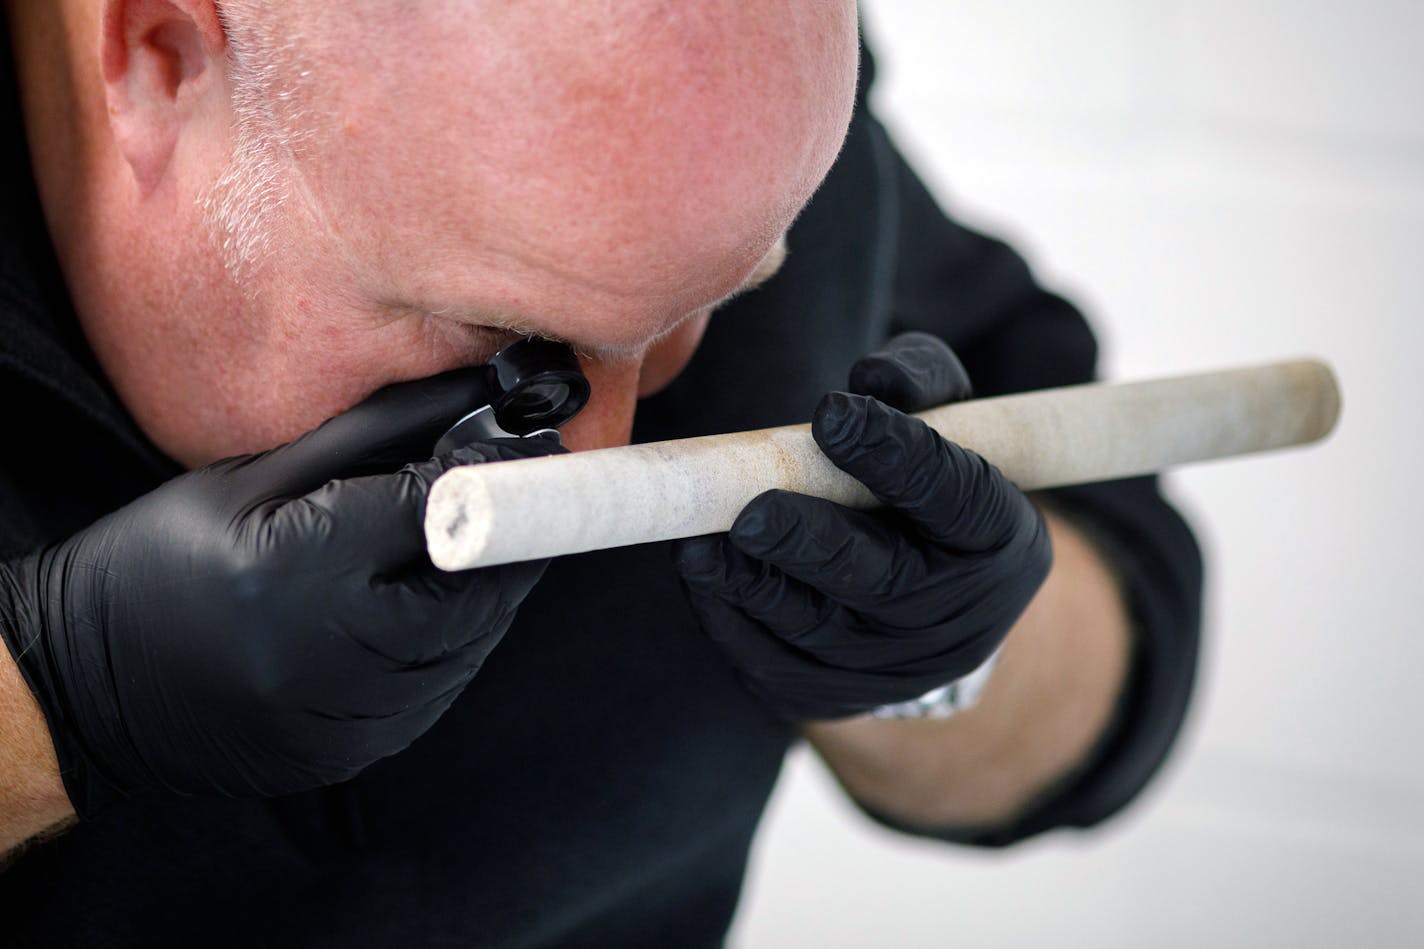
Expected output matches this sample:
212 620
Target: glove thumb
396 425
912 372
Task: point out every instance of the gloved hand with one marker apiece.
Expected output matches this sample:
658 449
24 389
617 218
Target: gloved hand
828 612
267 624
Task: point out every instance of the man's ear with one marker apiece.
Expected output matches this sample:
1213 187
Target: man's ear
160 60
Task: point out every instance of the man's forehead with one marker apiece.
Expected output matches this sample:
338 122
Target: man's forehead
607 35
635 158
555 326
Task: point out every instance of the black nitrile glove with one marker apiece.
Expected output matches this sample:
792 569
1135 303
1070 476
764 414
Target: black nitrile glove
267 624
829 612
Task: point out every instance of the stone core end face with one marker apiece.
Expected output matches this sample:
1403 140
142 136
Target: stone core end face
458 515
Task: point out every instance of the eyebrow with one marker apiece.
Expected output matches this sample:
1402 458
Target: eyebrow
769 266
484 320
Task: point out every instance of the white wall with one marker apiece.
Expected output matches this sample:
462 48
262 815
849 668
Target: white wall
1216 183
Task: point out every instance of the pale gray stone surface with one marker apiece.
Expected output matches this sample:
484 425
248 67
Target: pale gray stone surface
481 515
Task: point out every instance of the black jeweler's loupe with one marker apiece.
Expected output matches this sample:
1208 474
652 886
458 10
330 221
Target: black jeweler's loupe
532 386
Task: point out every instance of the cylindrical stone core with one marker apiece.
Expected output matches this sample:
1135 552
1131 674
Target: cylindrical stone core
481 515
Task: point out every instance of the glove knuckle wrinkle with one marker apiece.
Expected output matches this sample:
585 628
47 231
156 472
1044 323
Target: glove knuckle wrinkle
760 588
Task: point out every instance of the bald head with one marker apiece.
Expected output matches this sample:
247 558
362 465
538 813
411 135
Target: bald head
619 149
432 171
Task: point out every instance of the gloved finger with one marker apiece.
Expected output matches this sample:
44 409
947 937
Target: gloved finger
885 592
368 533
820 626
785 678
798 685
420 614
713 566
397 424
417 697
852 556
392 684
911 372
378 520
433 688
954 497
447 612
407 607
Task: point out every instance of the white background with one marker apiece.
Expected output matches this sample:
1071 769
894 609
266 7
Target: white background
1216 183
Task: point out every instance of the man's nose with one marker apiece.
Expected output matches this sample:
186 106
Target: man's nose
607 420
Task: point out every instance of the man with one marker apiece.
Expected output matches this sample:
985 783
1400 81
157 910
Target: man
276 721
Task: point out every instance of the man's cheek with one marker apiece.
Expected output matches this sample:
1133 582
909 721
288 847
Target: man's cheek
607 420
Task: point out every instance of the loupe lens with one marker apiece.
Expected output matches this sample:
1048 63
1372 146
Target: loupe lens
529 386
537 384
538 400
